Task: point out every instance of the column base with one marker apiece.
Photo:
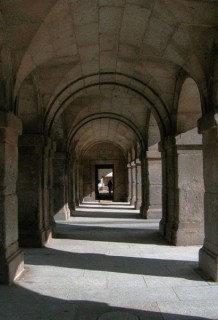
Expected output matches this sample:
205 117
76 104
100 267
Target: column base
187 237
133 202
138 204
182 234
154 212
11 267
208 264
143 211
162 227
63 214
33 238
187 233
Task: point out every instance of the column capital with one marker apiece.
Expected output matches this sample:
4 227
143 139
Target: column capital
151 154
36 140
190 140
133 164
137 162
207 122
9 120
166 143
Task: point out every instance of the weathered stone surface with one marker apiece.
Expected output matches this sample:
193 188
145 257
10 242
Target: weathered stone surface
123 74
34 190
208 256
11 258
185 201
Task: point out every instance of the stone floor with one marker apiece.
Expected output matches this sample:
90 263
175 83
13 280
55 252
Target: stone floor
107 263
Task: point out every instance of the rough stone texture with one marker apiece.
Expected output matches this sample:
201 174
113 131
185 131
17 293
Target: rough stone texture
185 189
123 73
133 183
155 185
33 191
11 258
138 185
208 256
60 206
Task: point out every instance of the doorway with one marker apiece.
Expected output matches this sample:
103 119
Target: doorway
104 182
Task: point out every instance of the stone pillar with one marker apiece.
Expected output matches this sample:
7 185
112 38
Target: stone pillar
50 183
168 187
70 183
77 185
138 184
61 210
184 223
129 182
35 218
208 255
133 186
189 220
144 190
154 185
11 257
80 183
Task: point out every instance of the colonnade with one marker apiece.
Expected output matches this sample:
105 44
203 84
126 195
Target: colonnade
145 184
190 214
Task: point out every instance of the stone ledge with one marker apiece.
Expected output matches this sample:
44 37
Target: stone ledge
9 120
208 122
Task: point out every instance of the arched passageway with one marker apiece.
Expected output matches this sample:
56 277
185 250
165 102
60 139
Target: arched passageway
104 83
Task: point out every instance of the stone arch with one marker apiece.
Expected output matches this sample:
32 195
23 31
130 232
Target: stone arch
105 115
124 82
189 108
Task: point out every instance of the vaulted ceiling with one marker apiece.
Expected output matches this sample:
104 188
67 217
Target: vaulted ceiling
94 70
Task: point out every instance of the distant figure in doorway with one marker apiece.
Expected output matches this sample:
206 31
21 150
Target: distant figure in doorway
110 185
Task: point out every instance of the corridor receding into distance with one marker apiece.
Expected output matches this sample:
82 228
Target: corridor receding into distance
106 262
108 159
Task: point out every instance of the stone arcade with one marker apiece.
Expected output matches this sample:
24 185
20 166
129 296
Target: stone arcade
131 84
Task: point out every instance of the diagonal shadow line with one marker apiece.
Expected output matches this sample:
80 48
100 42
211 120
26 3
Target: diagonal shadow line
109 263
107 234
105 214
18 302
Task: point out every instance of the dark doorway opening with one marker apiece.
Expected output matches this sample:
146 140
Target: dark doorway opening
104 182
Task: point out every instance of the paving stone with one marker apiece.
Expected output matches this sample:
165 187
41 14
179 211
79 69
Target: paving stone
85 279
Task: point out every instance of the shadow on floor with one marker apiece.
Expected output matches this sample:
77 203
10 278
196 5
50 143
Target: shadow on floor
112 263
18 303
94 213
107 234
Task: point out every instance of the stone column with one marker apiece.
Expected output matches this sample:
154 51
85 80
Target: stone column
189 220
80 183
184 192
129 182
61 210
35 223
138 184
11 257
77 185
144 190
154 185
133 186
168 187
50 183
70 183
208 255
